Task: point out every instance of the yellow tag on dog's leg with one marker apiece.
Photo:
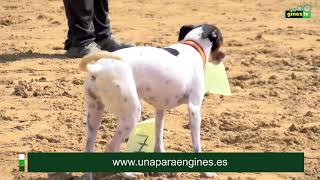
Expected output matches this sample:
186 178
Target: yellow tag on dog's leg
216 79
142 137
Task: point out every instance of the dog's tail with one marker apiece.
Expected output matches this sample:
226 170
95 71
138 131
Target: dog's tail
93 57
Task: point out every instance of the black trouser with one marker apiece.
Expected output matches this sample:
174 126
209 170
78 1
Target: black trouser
87 21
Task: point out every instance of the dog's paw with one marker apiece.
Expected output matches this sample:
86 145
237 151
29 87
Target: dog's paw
208 174
131 175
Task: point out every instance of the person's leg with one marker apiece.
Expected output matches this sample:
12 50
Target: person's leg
103 29
68 41
80 40
101 20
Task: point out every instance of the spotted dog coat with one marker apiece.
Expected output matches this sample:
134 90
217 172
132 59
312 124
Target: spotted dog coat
165 78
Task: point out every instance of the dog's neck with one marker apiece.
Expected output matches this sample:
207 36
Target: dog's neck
198 48
202 47
204 44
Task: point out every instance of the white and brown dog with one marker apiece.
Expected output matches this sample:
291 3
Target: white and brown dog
163 77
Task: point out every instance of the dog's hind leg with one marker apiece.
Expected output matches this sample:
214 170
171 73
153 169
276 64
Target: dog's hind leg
124 128
125 104
94 111
115 84
126 123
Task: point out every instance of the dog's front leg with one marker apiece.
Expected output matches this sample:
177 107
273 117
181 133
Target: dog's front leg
194 109
195 123
159 146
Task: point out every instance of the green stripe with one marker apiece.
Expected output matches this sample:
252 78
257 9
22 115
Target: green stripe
21 162
104 162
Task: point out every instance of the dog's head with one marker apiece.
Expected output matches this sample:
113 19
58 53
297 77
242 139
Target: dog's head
209 34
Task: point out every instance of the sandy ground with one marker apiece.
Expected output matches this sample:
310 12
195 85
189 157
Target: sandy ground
273 64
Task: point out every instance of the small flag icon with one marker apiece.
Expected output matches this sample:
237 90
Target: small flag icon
21 162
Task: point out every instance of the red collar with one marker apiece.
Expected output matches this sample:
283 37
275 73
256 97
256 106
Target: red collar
198 48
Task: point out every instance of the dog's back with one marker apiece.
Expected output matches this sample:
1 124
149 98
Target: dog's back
162 79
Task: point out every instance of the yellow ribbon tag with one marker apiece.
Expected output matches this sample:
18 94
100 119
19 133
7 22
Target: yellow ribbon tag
216 79
142 137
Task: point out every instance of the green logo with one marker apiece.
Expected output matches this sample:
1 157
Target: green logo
299 12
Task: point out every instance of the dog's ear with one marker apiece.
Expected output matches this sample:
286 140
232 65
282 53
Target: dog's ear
184 30
209 31
213 34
